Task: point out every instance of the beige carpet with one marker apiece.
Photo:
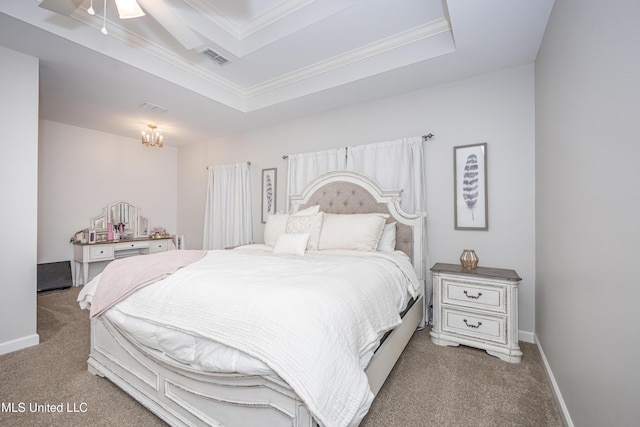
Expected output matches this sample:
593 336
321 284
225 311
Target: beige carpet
430 385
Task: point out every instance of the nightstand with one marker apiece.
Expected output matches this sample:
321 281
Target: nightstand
477 308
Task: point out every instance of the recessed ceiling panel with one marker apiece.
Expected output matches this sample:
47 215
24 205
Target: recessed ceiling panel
282 55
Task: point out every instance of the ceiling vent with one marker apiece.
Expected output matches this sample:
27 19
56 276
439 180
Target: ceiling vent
214 56
154 107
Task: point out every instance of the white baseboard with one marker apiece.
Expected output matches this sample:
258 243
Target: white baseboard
19 344
526 336
556 390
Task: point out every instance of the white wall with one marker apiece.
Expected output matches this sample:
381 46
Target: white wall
18 215
497 108
82 170
588 206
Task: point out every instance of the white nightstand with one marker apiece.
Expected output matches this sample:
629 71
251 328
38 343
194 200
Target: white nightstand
478 308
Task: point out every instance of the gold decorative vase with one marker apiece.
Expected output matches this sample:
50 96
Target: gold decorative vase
469 259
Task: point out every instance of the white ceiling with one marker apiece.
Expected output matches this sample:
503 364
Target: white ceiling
287 58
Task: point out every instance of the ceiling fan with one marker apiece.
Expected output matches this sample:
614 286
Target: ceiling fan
158 9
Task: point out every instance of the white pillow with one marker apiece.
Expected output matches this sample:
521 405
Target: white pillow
387 241
277 224
354 231
311 224
291 244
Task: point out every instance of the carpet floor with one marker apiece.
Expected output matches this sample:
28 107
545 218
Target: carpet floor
49 385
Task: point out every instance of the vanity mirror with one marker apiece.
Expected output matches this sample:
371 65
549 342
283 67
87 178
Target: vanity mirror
119 231
126 220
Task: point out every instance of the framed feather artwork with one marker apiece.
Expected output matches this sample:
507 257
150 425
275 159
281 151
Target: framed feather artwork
268 193
470 187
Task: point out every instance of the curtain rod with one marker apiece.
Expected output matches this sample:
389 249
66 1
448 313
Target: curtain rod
248 162
425 138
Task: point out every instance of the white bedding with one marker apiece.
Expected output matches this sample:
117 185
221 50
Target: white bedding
314 320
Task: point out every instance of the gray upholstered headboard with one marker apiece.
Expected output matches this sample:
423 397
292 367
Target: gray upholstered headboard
347 192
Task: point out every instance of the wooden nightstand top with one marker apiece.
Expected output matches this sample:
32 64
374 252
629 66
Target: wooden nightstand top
499 273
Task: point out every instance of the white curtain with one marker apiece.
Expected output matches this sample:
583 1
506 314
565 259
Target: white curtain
227 217
394 164
303 168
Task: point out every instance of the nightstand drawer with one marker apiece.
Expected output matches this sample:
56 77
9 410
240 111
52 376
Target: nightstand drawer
474 295
101 252
480 326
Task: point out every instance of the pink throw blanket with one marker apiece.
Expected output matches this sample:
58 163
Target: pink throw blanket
124 276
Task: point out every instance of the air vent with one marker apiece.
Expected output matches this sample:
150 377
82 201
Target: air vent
214 56
154 107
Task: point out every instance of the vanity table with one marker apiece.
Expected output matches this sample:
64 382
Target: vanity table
120 231
86 253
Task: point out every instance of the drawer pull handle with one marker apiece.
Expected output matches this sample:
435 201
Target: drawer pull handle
472 326
473 296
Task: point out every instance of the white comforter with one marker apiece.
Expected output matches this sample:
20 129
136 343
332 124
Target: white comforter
314 320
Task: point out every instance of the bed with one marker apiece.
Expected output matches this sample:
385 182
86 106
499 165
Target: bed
262 389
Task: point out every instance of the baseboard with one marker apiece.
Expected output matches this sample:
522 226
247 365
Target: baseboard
19 344
556 390
526 337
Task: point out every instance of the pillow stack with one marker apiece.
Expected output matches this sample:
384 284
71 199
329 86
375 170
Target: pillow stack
310 229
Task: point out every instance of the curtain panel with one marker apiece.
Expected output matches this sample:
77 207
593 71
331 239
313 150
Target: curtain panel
303 168
394 164
227 217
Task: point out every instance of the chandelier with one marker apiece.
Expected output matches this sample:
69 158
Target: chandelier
152 138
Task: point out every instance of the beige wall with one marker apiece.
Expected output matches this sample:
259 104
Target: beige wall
18 192
497 108
82 170
588 206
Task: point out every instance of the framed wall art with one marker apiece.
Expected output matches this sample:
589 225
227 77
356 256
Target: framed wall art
269 178
470 187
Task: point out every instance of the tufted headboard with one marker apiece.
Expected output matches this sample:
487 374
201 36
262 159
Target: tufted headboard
348 192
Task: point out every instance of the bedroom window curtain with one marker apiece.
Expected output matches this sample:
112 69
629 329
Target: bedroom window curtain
394 164
227 216
303 168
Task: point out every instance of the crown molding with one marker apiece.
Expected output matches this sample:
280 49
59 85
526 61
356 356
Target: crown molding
132 39
236 96
394 42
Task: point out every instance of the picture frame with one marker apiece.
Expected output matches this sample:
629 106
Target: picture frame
269 185
470 187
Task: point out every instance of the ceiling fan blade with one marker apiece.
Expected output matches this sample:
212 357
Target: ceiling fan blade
62 7
162 13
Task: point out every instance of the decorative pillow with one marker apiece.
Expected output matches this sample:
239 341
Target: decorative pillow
387 241
311 224
291 244
353 231
308 211
277 224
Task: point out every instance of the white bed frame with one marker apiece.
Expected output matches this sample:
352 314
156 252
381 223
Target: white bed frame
183 396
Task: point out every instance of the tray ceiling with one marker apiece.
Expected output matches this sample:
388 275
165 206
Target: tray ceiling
285 58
